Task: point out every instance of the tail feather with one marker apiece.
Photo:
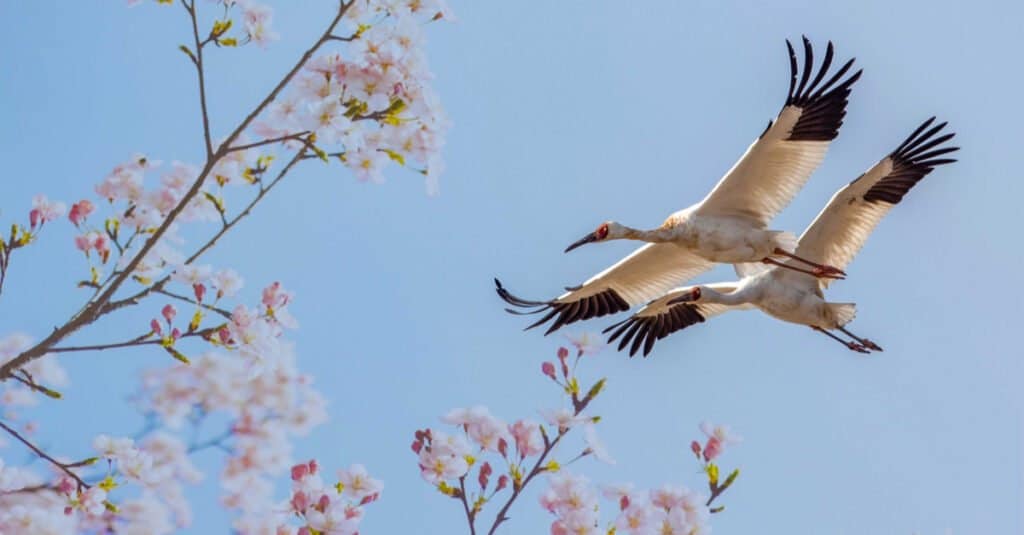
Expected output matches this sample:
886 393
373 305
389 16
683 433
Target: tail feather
842 313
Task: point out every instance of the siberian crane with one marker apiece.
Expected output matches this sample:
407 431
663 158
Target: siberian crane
730 224
834 238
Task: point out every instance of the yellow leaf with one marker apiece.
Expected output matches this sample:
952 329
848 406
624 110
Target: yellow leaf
197 318
95 275
221 26
228 41
712 470
107 484
394 156
249 175
552 466
142 280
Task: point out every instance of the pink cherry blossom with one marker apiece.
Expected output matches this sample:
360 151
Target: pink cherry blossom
80 211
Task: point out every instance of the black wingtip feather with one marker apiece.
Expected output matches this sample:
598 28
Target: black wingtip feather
911 161
563 313
642 332
822 105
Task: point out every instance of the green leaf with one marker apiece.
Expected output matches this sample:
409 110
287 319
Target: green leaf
732 477
188 53
217 203
596 389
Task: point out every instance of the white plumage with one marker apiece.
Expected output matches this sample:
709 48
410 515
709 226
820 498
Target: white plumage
730 224
835 237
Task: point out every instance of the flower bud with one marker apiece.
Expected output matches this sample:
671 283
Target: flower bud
712 449
548 369
168 312
299 471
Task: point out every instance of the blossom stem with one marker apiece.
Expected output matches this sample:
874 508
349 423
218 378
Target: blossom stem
66 468
187 299
465 506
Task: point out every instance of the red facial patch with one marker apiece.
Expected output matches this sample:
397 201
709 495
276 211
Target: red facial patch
602 232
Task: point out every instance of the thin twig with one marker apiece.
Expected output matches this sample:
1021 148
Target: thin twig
64 467
191 9
271 141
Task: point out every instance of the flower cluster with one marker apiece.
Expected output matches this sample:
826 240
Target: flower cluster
334 510
669 510
513 453
268 404
43 210
371 102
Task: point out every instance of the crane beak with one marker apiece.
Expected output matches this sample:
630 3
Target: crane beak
589 238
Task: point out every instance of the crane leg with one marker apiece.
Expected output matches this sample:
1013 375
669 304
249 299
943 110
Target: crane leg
851 345
862 341
816 272
824 269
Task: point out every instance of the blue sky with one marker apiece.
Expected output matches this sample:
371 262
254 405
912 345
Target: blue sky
566 115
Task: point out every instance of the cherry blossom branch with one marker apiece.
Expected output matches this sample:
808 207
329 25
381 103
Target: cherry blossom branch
187 299
99 306
158 287
137 341
64 467
549 446
296 136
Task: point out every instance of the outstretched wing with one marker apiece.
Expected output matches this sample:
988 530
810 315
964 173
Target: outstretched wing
843 226
643 275
778 164
658 319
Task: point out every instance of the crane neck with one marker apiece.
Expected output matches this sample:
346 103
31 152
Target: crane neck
733 297
658 235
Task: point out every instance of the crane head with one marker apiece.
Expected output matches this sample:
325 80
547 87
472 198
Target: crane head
689 296
605 230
